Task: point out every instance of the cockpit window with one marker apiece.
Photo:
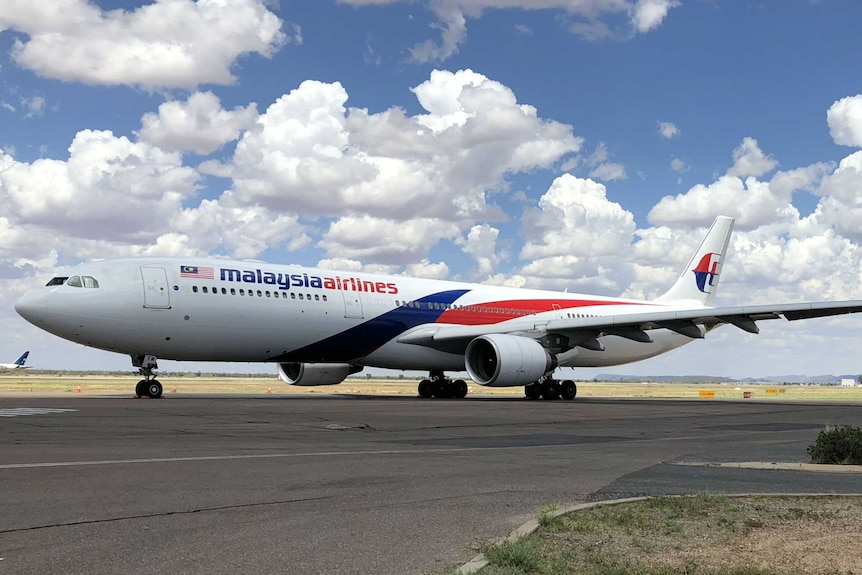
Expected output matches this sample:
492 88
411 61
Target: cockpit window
90 282
74 281
57 281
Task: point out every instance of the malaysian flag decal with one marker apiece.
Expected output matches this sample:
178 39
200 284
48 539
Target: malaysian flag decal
196 272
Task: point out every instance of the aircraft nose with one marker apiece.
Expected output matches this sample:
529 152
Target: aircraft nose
30 305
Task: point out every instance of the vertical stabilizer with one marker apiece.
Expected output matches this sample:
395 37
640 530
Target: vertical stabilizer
699 279
20 361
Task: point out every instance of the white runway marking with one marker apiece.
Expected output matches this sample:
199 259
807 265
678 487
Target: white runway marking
21 411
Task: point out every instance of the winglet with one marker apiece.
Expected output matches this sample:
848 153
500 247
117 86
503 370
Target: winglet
699 279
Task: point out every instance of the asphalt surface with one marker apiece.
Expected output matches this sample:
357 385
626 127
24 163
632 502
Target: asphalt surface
356 485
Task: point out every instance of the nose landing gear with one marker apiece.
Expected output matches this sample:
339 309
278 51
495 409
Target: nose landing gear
149 386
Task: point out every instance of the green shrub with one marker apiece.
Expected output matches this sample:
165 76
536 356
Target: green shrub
837 444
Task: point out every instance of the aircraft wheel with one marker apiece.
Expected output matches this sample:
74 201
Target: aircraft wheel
551 389
425 389
568 389
154 389
141 388
533 391
460 388
442 389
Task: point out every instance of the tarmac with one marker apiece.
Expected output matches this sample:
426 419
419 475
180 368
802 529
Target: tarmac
360 484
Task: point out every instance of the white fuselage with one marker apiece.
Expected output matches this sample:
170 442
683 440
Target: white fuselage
222 310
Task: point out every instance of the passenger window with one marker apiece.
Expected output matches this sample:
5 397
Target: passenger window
292 295
232 291
204 289
300 296
57 281
316 297
74 281
241 291
275 294
324 298
195 289
259 293
267 293
224 291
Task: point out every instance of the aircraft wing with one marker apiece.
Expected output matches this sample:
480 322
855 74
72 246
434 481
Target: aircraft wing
635 326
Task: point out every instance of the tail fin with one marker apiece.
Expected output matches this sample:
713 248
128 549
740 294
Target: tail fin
22 359
699 279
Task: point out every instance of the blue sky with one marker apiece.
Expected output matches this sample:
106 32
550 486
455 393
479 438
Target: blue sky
561 144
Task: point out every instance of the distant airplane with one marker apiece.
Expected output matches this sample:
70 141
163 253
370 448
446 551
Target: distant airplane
320 326
18 363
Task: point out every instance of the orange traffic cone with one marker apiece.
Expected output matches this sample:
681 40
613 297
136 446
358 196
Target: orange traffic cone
78 390
269 390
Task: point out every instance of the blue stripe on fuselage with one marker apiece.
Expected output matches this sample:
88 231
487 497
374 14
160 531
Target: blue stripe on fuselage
359 341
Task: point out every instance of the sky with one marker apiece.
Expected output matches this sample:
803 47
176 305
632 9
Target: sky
580 145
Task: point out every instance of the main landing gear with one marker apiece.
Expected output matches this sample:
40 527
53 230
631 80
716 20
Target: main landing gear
439 386
149 386
549 388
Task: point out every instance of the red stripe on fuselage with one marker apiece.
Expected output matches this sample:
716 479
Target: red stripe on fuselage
497 311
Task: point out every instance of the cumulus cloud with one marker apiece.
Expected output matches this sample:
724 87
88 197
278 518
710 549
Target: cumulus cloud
166 44
386 241
749 160
199 124
649 14
481 243
668 130
308 153
845 121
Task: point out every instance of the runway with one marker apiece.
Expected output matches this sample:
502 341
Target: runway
356 484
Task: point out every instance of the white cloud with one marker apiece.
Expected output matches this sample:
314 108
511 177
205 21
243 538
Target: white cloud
643 16
309 154
481 243
845 121
199 124
749 160
678 166
427 269
649 14
385 241
169 43
609 172
668 130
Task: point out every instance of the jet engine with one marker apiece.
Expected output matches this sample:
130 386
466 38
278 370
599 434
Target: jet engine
315 373
501 360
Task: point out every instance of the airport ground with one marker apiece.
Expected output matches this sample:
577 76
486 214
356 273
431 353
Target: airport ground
358 479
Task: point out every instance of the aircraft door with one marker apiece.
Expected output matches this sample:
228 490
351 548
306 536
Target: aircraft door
156 292
352 305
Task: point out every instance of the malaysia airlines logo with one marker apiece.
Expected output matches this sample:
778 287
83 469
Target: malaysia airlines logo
706 271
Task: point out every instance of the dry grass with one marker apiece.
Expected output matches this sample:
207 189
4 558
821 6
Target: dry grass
189 384
186 383
711 535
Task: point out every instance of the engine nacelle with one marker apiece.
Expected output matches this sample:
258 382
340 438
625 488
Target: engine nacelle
501 360
315 373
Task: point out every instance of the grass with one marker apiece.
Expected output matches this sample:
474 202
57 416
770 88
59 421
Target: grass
188 383
697 535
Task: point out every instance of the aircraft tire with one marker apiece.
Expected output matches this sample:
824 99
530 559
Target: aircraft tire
533 391
154 389
551 389
426 389
459 388
442 389
568 389
141 388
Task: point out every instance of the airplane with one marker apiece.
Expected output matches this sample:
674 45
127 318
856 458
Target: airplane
321 326
18 363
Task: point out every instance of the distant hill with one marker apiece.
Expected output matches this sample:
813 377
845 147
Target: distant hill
810 379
